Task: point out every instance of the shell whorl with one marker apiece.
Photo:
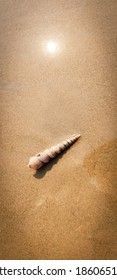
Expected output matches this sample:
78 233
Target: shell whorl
41 158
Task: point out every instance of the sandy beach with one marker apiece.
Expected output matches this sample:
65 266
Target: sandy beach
67 209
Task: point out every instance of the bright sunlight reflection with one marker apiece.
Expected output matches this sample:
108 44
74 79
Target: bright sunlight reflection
51 47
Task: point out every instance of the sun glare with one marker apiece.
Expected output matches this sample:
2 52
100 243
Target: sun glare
51 47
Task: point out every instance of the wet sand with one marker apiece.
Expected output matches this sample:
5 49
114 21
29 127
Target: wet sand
68 209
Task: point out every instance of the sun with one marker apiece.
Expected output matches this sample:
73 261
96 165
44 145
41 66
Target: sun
51 47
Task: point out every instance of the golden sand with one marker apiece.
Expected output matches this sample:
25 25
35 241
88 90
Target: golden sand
68 209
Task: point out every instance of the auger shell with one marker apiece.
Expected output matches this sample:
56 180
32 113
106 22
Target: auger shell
36 162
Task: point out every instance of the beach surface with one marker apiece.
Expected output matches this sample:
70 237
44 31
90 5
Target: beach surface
67 209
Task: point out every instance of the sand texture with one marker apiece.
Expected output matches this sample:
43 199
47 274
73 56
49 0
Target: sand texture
67 209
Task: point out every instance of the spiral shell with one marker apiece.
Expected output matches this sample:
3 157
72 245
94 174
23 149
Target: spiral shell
36 162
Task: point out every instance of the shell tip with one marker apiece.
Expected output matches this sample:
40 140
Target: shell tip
79 135
76 135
